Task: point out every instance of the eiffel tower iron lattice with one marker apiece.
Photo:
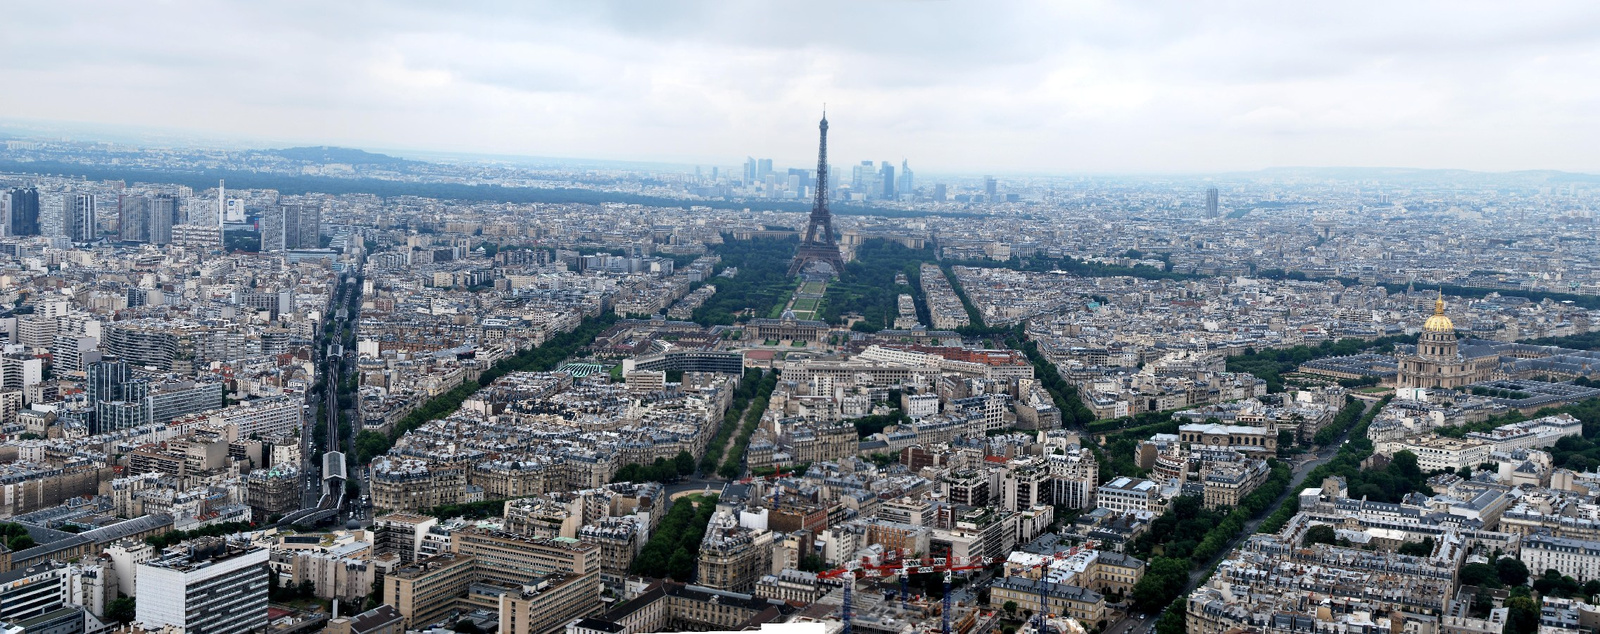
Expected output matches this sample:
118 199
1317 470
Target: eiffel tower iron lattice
818 245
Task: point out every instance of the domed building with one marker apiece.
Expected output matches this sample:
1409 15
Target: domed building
1437 361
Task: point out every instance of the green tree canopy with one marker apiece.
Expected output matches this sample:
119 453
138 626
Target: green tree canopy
1320 534
1512 572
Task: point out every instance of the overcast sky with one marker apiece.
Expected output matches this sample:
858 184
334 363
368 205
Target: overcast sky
1047 86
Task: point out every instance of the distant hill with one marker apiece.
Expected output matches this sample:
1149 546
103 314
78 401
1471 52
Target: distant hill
327 154
1398 175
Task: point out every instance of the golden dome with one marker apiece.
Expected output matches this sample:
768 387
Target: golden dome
1438 322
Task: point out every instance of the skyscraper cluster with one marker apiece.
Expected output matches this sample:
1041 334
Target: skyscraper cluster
880 182
868 181
140 217
763 180
72 215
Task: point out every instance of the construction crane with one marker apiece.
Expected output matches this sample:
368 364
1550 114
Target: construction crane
777 489
1044 581
777 485
948 566
892 565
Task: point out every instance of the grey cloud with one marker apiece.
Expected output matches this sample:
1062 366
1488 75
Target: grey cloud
976 86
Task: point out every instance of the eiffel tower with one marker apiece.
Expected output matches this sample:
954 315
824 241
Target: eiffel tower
818 245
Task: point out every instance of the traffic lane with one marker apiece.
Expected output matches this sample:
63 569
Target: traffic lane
1125 625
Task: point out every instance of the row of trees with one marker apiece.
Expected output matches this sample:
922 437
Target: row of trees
542 358
1142 423
1041 263
1189 536
1366 381
1583 301
674 545
748 385
1585 341
470 510
732 466
1065 395
1347 417
214 530
1347 462
973 314
662 470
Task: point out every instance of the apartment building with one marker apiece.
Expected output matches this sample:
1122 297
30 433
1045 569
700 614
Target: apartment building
1129 495
205 585
427 589
1226 483
1074 476
733 557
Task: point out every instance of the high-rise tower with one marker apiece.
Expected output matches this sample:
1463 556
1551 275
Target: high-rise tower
818 245
133 218
274 226
79 217
24 212
163 214
1211 202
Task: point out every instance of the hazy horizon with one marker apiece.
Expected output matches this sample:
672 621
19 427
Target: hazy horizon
1023 88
